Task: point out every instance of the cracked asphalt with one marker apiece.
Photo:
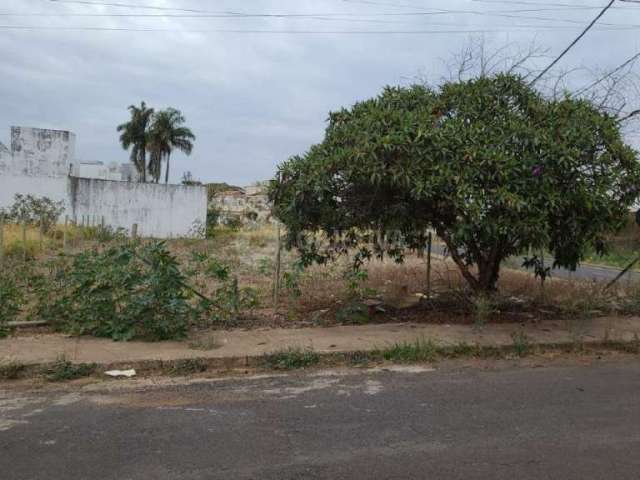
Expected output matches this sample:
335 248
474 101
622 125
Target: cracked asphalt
536 420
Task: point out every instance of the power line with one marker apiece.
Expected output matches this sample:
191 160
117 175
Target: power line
226 14
130 5
576 40
554 4
287 32
238 15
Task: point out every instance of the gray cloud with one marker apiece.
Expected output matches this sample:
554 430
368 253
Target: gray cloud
253 99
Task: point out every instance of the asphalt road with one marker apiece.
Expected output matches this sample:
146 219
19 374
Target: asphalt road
583 272
551 422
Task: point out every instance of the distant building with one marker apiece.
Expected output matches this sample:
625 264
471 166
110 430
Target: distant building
248 204
113 171
42 163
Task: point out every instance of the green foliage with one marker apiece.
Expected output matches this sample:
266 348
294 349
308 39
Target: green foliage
103 234
229 300
166 133
266 266
134 134
353 313
419 351
123 292
290 359
35 211
11 302
483 307
232 222
521 344
63 370
356 280
490 164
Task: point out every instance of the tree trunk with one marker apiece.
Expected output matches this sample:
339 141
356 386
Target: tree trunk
488 273
166 176
143 163
489 268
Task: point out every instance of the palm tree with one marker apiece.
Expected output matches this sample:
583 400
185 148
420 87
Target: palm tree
134 134
167 133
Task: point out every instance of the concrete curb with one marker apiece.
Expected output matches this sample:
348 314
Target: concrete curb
355 358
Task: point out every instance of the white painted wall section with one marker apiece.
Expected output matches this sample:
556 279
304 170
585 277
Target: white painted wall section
160 211
41 153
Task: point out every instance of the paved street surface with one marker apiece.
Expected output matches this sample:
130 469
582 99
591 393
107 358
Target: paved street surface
583 272
561 421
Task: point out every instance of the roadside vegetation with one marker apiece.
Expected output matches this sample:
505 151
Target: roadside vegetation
109 286
489 166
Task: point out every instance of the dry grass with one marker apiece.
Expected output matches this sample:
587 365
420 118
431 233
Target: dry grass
318 293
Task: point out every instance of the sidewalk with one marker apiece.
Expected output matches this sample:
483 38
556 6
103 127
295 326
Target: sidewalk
238 344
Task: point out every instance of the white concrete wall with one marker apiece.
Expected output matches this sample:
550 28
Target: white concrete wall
53 187
6 160
160 211
40 153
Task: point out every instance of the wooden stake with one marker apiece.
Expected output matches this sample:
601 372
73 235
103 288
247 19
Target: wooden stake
1 240
64 234
276 273
134 231
24 241
41 235
429 241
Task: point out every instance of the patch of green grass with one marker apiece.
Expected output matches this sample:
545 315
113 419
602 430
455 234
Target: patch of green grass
291 359
11 370
483 308
618 258
188 366
420 350
63 370
521 343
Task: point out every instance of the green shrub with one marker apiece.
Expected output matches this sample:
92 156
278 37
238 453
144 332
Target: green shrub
124 292
11 301
291 358
521 343
353 313
103 234
63 370
419 351
35 211
228 300
266 266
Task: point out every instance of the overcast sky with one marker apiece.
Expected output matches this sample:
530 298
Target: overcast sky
256 89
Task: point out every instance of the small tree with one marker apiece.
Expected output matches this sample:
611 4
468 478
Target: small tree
167 132
489 163
34 210
134 135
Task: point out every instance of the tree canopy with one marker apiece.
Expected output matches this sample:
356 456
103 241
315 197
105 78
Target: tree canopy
158 133
167 132
490 164
134 135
